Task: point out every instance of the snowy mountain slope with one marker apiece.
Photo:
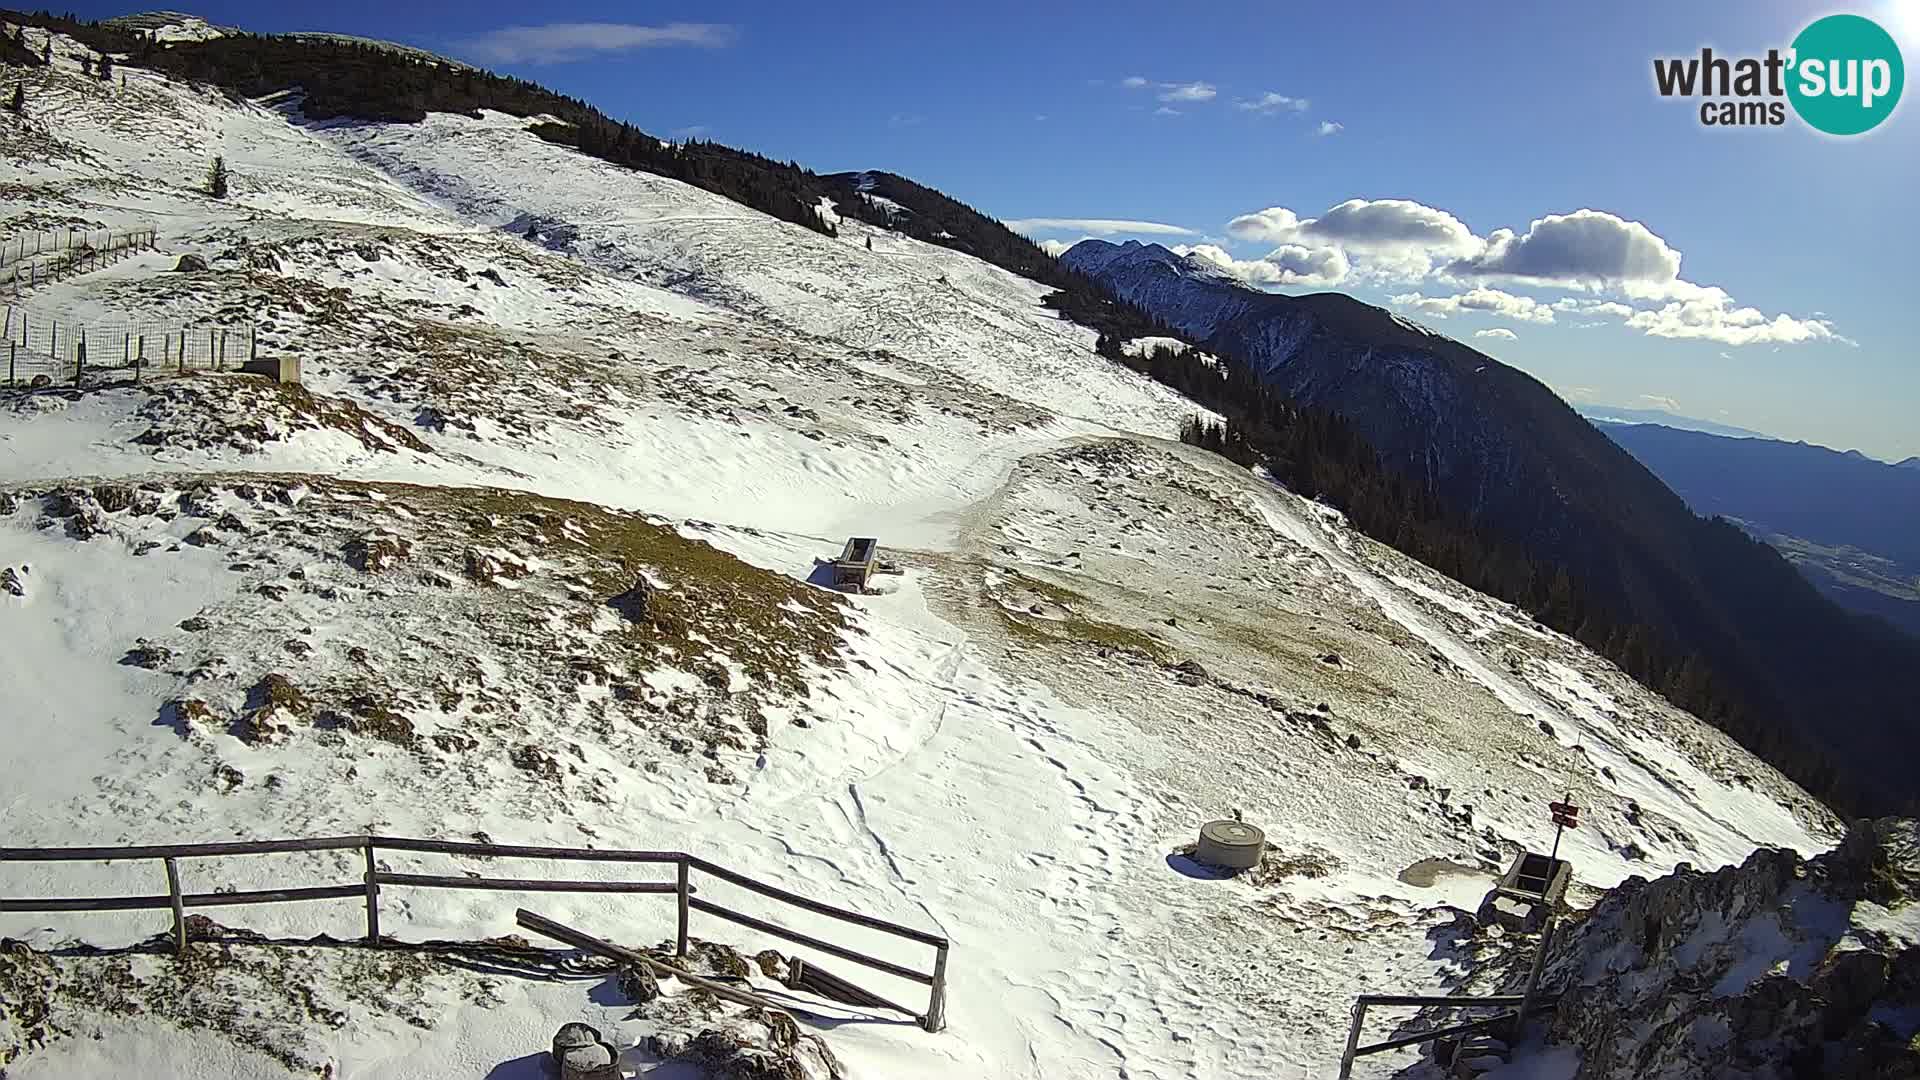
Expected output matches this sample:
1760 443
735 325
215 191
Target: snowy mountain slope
1008 745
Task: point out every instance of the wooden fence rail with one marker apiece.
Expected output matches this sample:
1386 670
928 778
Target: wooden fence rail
373 879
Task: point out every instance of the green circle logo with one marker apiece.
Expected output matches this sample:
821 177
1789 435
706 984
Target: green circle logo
1846 74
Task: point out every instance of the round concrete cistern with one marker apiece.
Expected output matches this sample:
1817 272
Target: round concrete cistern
1232 844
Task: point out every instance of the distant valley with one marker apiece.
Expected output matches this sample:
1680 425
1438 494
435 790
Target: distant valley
1850 523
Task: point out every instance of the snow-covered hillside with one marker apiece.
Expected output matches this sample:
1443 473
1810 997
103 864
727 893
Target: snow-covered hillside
400 598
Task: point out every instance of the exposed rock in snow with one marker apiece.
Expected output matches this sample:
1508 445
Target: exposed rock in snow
1778 967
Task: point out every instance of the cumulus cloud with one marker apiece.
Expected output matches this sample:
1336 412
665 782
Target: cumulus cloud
1395 239
1288 264
1402 241
1096 226
1193 91
557 43
1499 332
1584 249
1709 314
1270 103
1482 300
1329 127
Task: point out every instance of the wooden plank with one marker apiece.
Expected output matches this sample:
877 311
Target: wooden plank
1467 1028
1431 999
522 851
86 903
460 881
271 896
798 938
178 851
684 890
542 925
370 880
179 907
816 906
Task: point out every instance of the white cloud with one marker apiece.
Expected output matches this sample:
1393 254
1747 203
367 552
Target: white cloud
1055 248
1402 241
556 43
691 131
1481 300
1133 82
1288 264
1388 239
900 120
1661 401
1193 91
1166 111
1270 103
1499 332
1712 316
1329 127
1584 249
1096 226
1582 306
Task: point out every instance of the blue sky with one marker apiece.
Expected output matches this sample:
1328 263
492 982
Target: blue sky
1786 258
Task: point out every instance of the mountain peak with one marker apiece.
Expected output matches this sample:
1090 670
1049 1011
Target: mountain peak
1093 256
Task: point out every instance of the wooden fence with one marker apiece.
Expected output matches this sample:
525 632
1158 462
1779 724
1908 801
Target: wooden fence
30 260
368 889
63 350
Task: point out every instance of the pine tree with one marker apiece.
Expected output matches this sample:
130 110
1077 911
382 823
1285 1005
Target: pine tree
105 68
86 64
17 104
217 178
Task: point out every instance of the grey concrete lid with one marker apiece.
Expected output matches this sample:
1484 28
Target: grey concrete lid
1229 833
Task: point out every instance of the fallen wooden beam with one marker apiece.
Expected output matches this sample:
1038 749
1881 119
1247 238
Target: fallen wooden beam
546 927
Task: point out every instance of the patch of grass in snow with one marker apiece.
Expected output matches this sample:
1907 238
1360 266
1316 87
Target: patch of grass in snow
772 626
1061 618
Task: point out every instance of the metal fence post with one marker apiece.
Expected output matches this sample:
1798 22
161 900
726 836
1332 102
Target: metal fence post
179 908
936 1018
681 941
1533 978
373 899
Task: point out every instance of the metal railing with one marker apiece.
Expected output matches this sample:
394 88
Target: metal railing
1516 1006
372 881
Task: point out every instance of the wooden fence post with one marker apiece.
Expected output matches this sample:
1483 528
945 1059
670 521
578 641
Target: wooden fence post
681 940
179 908
936 1018
12 349
373 898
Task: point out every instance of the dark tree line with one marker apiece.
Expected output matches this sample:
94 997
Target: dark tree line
1317 454
369 82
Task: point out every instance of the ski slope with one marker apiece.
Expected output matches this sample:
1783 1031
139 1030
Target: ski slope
1000 746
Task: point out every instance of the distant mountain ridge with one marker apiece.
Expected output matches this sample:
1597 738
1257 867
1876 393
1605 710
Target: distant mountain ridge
1498 446
1851 522
1622 414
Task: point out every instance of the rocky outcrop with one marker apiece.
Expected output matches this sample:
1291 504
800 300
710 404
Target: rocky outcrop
1778 967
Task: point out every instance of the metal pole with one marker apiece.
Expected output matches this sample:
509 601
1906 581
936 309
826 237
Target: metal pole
373 900
681 943
179 908
1533 977
1353 1039
936 1018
